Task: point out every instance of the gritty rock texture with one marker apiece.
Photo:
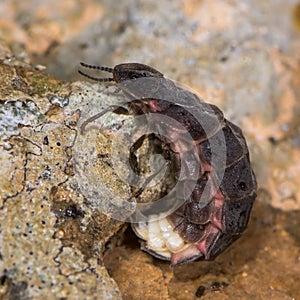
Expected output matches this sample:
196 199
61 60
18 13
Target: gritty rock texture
51 241
240 55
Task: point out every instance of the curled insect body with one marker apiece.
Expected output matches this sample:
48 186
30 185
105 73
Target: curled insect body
212 203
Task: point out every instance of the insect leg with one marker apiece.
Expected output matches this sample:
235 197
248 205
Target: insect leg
113 108
134 165
132 157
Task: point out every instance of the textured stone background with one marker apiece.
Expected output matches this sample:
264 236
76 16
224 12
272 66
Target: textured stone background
240 55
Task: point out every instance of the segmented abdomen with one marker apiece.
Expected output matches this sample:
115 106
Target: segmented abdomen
210 221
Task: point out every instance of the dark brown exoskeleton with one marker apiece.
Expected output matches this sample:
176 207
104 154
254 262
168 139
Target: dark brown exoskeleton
216 210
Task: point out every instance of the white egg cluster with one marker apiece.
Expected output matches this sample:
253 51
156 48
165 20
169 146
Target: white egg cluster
160 236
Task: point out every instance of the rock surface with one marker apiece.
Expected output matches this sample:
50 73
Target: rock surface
240 55
52 242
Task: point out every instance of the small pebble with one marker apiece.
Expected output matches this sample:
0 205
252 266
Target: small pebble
200 291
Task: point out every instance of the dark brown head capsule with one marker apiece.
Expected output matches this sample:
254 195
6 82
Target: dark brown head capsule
206 223
123 72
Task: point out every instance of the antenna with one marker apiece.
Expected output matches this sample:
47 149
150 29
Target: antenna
101 68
